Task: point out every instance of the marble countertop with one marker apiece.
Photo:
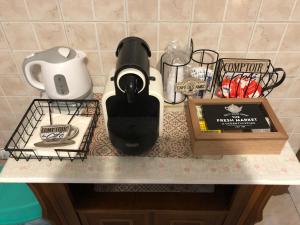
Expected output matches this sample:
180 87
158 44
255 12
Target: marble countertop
283 169
169 162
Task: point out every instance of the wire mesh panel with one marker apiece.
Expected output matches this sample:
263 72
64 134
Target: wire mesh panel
38 109
247 78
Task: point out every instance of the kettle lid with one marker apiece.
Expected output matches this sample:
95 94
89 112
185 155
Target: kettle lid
58 54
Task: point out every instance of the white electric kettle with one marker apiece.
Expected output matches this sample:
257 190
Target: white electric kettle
64 74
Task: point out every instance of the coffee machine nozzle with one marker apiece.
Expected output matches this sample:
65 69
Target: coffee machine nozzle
133 102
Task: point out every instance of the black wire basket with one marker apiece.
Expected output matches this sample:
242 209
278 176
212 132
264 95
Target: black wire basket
16 145
173 73
176 73
246 78
207 60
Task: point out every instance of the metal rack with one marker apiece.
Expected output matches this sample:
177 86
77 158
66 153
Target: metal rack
165 66
205 58
246 78
16 145
208 59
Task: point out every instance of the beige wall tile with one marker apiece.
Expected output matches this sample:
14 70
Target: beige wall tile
7 65
235 37
82 35
43 9
20 36
288 123
19 57
289 108
147 31
295 141
2 142
8 122
266 37
294 88
140 10
109 60
205 35
291 39
12 10
209 10
109 10
19 105
275 103
1 92
153 59
93 63
232 54
275 10
50 34
3 43
77 10
261 55
283 90
19 116
242 10
296 13
289 62
297 127
175 10
98 81
4 107
110 34
173 31
4 137
21 87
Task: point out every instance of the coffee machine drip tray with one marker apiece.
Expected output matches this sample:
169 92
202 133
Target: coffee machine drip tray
133 135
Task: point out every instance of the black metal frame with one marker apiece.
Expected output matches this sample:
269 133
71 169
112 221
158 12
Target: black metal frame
268 79
21 135
201 62
163 64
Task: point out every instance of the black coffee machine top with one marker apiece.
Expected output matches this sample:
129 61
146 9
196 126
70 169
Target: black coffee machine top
132 53
133 99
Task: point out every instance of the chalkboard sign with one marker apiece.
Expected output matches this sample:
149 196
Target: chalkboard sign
234 117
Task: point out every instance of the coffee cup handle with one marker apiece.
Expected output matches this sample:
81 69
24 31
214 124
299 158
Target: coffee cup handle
73 132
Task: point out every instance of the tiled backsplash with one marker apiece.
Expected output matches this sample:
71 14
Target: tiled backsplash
235 28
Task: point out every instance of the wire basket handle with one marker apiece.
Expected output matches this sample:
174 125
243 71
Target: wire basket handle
276 71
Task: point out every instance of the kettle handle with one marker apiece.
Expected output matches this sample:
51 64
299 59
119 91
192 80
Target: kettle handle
27 64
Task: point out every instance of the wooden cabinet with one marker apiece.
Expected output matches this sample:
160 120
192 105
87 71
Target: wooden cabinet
151 217
78 204
114 218
189 218
146 208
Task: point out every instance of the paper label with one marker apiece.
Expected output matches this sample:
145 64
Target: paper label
234 117
190 86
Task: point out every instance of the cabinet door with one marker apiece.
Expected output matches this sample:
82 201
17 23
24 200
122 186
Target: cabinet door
188 218
113 218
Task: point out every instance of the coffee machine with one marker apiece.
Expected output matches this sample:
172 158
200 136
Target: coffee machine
133 102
